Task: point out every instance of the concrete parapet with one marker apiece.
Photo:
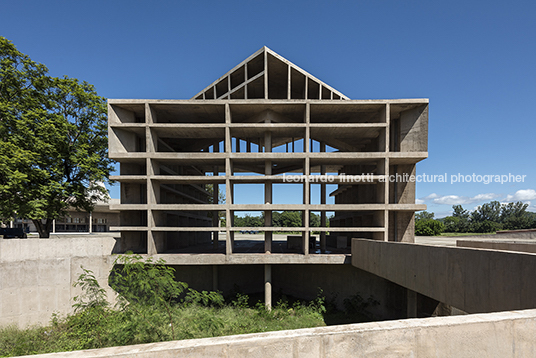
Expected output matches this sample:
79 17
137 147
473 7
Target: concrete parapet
504 334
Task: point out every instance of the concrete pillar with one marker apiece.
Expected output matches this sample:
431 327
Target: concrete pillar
412 303
215 199
11 224
54 226
323 220
268 287
90 222
268 193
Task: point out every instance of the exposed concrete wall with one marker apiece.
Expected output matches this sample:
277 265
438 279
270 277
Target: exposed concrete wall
504 335
473 280
37 275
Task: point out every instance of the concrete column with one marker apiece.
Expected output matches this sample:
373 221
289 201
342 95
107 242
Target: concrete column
323 220
268 193
90 223
215 199
412 304
268 287
54 226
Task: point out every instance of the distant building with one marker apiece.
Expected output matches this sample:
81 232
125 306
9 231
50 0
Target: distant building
101 219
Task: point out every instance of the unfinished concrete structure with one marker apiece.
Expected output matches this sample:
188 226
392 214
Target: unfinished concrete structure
264 120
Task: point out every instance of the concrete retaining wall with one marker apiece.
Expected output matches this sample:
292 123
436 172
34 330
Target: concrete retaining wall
37 275
504 335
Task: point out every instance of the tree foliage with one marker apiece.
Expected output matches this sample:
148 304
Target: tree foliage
490 217
428 227
53 142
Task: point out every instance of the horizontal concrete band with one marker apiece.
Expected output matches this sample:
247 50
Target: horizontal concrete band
473 280
504 334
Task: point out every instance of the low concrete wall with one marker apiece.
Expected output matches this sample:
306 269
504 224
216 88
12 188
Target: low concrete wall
520 246
37 275
504 335
473 280
529 234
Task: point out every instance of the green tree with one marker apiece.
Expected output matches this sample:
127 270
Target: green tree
291 219
429 227
487 212
53 142
462 219
514 216
424 215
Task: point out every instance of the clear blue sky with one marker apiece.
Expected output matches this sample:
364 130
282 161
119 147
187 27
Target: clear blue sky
474 60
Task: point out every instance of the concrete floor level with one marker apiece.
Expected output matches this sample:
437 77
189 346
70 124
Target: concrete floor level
263 121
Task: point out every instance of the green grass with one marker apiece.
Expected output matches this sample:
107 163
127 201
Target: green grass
100 327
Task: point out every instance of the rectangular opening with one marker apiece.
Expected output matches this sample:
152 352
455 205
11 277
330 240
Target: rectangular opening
132 168
188 138
191 242
183 194
188 113
127 140
127 113
177 167
133 218
135 241
266 114
133 193
247 193
341 112
287 193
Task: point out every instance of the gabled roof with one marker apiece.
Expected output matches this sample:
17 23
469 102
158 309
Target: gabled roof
267 75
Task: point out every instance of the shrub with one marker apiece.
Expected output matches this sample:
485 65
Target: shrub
429 227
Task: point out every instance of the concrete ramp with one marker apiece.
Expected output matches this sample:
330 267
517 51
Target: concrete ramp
473 280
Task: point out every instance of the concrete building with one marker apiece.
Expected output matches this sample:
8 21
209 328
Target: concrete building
101 219
263 121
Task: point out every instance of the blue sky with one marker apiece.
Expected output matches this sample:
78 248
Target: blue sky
474 60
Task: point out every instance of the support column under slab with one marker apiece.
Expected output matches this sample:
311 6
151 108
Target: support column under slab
268 287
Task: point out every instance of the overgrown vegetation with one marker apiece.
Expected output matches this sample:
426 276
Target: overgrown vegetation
153 307
487 218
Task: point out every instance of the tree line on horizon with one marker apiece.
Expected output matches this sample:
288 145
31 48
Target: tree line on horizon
279 219
486 218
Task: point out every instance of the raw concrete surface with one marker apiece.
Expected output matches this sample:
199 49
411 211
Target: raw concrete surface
504 335
473 280
37 275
